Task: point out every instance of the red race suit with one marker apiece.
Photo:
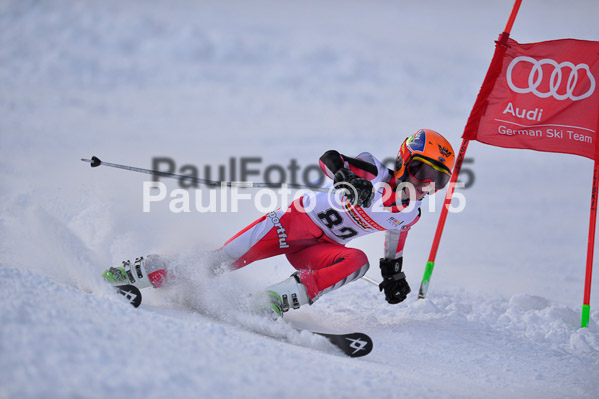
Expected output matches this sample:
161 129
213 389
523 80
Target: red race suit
313 230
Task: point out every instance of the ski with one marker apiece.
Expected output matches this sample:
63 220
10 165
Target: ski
352 344
131 293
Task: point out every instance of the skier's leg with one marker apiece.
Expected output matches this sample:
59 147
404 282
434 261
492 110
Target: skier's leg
327 266
276 233
257 241
322 267
264 238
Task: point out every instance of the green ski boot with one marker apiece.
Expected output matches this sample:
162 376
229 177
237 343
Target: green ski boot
279 298
136 274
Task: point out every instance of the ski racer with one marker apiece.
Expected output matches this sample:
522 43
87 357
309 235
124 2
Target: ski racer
313 230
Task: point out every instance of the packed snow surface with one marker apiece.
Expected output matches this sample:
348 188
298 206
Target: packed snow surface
211 83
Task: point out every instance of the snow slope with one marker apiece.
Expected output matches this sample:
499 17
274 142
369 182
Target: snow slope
202 82
70 343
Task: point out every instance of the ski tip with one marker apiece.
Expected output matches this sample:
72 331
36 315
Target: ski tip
353 344
360 345
95 161
131 293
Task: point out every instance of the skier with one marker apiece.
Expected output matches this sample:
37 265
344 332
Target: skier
313 230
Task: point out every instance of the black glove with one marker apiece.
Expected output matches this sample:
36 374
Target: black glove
357 190
394 281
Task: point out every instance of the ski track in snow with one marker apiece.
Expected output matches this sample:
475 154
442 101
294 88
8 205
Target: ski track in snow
204 81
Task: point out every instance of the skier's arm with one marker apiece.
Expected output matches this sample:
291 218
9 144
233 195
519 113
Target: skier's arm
332 161
394 282
351 175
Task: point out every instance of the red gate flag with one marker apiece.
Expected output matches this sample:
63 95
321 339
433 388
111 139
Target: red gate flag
540 96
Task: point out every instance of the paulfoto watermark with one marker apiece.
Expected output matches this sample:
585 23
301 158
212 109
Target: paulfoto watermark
231 197
254 168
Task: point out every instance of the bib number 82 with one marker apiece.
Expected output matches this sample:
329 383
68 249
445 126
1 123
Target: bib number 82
331 219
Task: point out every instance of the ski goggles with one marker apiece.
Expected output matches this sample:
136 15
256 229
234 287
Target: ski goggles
424 170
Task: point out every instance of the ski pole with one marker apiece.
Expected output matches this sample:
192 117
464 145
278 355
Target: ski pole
95 162
371 281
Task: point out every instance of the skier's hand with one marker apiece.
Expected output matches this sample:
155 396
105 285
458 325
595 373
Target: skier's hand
358 191
394 281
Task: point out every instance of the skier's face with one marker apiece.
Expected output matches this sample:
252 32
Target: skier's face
421 189
423 176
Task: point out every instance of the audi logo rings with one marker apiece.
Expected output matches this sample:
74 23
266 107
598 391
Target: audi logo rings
535 78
